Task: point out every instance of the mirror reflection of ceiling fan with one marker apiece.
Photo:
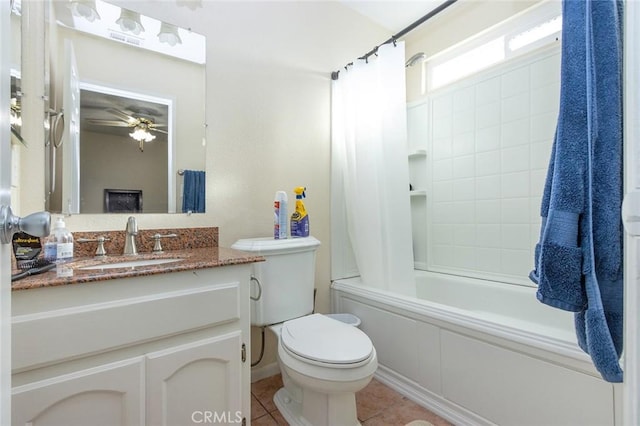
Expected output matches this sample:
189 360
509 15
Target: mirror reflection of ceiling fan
143 125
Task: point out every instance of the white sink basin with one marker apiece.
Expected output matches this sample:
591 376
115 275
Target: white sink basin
131 263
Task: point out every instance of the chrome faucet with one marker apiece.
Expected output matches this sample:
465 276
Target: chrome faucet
130 239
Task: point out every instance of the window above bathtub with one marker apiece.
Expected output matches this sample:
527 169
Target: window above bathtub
532 29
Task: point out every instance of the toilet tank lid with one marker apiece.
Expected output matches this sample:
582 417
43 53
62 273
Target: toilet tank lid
268 245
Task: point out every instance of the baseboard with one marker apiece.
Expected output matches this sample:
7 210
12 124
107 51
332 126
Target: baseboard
259 373
429 400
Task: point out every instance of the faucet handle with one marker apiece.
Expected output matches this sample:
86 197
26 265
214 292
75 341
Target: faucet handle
100 251
157 247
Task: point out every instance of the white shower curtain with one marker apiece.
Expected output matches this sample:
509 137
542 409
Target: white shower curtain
369 154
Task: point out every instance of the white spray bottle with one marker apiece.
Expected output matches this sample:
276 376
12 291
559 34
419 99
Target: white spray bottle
280 215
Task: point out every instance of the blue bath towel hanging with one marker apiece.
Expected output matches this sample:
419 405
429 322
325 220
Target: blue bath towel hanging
193 195
578 261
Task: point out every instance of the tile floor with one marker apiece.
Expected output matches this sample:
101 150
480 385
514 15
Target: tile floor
378 405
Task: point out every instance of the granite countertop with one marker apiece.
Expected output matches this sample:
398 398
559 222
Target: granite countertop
200 258
198 247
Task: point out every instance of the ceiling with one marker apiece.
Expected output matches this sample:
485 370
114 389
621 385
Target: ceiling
393 15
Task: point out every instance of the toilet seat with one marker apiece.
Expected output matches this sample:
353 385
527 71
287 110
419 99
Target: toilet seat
320 340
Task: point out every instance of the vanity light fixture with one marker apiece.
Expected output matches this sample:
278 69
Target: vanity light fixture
130 21
169 34
84 9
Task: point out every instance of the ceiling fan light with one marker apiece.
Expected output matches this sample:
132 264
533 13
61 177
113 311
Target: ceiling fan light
169 34
130 21
84 9
142 135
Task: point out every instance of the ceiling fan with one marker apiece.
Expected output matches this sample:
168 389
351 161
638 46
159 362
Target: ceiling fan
142 125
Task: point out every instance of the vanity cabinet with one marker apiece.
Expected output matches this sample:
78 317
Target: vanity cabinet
161 349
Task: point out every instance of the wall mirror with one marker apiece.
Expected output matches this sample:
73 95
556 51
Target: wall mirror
131 90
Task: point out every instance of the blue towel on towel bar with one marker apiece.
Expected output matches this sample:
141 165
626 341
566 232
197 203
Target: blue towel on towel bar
193 196
578 261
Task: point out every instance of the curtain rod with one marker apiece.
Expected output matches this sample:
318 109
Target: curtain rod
394 38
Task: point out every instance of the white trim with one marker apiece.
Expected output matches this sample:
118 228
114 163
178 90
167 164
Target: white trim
5 198
269 370
631 385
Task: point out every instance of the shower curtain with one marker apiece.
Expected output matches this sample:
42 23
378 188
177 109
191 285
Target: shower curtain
369 153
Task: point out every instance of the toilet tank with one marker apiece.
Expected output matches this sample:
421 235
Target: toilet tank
287 277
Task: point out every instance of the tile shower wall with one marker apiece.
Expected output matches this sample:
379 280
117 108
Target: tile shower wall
489 146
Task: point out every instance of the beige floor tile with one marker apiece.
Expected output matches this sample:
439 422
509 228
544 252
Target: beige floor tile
374 399
265 420
278 418
264 390
403 413
257 410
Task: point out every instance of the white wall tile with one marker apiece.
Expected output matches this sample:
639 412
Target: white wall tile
442 148
538 179
464 143
517 262
463 121
486 196
515 133
515 159
442 169
488 115
488 139
515 211
464 99
488 260
463 212
488 211
515 185
545 99
464 235
487 187
543 126
442 126
515 107
464 189
545 71
516 236
442 234
540 154
487 163
488 91
515 82
488 235
464 167
442 191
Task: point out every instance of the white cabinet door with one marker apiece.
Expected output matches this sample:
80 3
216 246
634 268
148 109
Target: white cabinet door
196 383
109 395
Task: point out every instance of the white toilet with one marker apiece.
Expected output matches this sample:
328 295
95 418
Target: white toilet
323 360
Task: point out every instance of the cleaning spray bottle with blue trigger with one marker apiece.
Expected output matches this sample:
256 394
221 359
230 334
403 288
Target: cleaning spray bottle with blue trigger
300 218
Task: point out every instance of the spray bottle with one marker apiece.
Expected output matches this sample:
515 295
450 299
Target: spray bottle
280 216
300 218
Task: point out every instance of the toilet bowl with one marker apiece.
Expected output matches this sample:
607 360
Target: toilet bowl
323 362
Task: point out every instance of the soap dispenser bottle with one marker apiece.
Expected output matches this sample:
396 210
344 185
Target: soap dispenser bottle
64 241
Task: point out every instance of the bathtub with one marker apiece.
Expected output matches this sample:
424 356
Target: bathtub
480 352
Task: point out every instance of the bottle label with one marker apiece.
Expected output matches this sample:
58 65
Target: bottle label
65 251
50 251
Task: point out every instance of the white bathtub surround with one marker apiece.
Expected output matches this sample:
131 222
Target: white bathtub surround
479 352
370 171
